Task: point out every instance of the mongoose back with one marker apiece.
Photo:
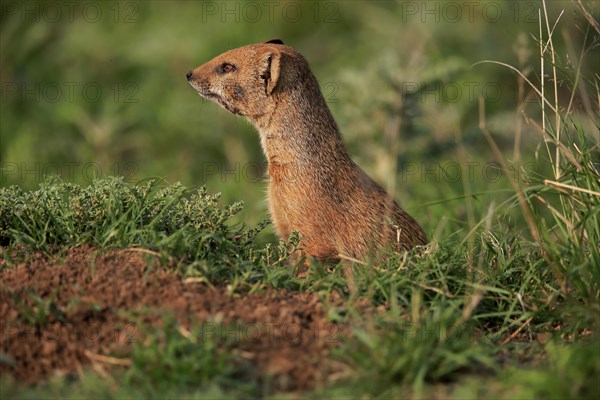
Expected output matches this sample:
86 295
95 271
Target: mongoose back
314 186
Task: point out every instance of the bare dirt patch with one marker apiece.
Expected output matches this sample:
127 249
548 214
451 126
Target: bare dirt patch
89 297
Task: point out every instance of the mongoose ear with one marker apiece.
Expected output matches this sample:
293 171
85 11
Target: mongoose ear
271 70
274 41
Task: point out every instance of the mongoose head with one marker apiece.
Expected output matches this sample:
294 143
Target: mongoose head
249 80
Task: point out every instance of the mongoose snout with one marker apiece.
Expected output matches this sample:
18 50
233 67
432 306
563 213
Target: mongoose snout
223 93
314 187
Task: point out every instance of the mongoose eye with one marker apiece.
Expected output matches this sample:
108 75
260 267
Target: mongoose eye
225 68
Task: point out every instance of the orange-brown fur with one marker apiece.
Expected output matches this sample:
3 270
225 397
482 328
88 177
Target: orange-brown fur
314 187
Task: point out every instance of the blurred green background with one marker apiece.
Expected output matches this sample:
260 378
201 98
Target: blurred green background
98 88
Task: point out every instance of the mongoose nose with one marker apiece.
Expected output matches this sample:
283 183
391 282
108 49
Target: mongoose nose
189 75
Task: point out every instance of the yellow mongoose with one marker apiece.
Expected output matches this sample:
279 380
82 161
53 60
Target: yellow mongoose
314 186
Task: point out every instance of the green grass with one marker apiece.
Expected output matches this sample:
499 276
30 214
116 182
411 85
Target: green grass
450 320
183 225
170 358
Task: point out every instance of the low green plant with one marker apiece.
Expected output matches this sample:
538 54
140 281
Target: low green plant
34 309
438 347
173 357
